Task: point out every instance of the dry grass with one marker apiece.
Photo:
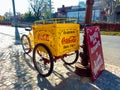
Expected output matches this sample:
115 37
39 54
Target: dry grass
114 33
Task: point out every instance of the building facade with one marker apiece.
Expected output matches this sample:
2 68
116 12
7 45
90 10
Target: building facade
103 11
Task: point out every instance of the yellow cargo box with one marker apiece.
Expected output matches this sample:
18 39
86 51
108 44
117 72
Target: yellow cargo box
60 38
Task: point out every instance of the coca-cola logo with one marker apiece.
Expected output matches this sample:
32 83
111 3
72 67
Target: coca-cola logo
44 37
68 40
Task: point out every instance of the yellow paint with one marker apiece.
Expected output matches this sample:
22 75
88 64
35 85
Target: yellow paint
60 38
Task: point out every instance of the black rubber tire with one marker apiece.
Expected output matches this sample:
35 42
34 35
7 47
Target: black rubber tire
72 62
28 50
50 59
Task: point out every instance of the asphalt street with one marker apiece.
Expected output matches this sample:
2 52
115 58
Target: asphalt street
111 49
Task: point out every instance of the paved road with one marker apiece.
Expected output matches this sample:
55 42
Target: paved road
111 49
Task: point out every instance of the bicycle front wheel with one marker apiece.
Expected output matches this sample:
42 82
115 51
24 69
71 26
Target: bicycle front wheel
26 44
71 58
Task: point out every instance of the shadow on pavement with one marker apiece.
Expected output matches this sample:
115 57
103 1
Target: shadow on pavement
29 61
69 67
43 83
21 77
108 81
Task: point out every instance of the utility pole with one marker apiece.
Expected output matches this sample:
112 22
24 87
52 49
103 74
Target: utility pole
17 36
89 7
88 20
83 68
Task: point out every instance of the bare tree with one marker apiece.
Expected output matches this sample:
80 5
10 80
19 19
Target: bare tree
39 7
107 8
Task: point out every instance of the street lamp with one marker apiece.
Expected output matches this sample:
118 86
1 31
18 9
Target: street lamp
17 36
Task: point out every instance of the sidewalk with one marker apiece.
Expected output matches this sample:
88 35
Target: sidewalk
17 72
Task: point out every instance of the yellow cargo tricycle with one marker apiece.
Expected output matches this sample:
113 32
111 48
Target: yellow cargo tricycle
52 39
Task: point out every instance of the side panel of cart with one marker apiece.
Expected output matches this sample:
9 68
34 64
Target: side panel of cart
60 38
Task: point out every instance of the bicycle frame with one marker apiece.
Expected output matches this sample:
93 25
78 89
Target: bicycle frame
30 35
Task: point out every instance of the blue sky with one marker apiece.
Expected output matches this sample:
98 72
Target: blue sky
22 5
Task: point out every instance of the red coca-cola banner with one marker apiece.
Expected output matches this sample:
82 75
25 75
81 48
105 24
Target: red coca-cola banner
94 45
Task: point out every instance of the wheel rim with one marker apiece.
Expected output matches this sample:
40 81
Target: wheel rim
26 44
42 60
70 58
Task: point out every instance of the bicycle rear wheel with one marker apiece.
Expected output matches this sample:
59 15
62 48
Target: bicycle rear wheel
43 60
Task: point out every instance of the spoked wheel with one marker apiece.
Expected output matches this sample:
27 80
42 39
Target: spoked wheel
26 44
43 60
70 58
